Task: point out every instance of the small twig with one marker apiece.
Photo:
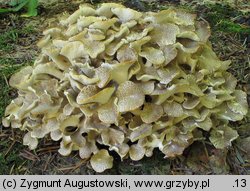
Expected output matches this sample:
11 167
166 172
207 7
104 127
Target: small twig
246 165
47 162
3 135
47 149
19 168
244 151
205 148
28 155
72 168
11 170
6 81
9 149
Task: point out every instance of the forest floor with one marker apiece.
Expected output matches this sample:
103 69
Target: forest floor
230 39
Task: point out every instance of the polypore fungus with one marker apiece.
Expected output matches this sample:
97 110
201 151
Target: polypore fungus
127 80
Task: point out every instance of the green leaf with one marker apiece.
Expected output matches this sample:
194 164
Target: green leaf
19 6
15 9
222 136
5 10
32 9
14 3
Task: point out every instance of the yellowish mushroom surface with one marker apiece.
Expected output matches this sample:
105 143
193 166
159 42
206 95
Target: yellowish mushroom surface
114 79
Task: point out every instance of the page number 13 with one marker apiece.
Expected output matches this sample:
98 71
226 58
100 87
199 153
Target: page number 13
240 183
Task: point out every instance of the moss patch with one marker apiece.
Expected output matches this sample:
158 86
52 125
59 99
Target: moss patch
223 18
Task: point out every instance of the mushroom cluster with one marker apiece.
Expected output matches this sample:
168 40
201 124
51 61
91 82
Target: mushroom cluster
114 79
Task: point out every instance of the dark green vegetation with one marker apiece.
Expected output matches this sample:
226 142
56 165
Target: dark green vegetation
10 160
227 19
230 39
17 5
10 37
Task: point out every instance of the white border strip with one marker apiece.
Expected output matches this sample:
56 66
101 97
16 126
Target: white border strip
125 182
